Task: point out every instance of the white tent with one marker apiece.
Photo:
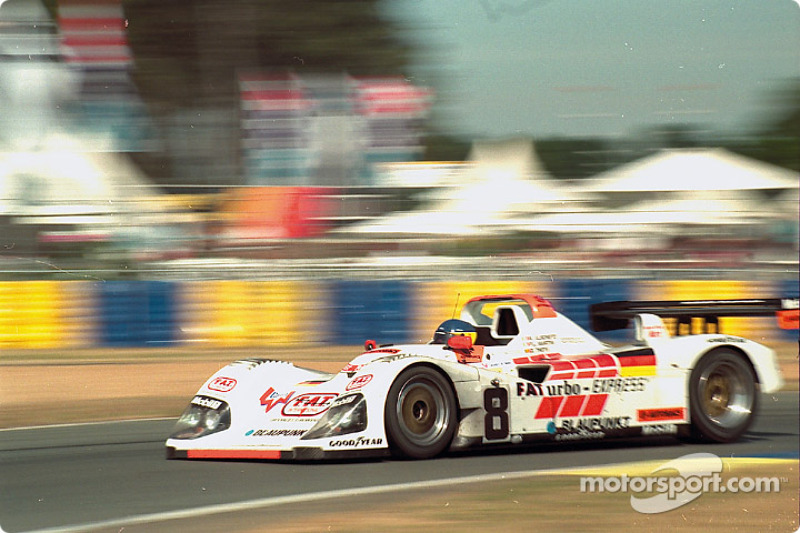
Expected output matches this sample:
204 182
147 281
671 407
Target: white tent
694 170
505 179
622 222
65 178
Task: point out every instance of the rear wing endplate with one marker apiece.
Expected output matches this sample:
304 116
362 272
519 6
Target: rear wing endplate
611 316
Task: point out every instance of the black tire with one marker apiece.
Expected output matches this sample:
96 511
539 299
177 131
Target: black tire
723 396
421 413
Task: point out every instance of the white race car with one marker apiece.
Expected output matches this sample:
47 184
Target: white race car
510 370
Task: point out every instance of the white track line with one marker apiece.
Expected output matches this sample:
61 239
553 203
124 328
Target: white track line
83 424
197 512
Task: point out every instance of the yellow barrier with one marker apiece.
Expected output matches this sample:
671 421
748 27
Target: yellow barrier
30 314
251 313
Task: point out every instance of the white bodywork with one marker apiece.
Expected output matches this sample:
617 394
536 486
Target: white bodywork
552 380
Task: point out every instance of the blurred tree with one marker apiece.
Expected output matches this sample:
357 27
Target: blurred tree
575 158
188 53
187 56
442 147
778 141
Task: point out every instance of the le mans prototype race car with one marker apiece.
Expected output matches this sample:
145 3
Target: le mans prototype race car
511 370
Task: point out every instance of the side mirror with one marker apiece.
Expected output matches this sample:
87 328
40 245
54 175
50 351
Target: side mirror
460 342
370 345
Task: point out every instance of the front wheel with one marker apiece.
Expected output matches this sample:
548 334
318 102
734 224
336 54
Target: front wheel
420 414
722 396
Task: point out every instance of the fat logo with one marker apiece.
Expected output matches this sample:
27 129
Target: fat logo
271 398
529 389
222 384
312 404
359 382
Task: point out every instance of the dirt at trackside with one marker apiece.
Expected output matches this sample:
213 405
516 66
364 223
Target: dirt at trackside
38 388
49 388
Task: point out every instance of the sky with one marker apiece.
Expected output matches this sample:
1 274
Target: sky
550 68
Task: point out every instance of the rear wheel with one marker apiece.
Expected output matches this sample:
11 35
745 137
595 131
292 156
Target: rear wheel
722 396
420 414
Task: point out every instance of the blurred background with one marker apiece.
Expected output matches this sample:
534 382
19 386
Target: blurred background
182 164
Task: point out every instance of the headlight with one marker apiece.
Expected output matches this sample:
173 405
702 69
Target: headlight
204 416
347 414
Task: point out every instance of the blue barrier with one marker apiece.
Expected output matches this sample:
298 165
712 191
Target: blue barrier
576 295
136 313
379 310
147 313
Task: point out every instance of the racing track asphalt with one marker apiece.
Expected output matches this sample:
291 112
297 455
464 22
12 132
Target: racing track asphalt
77 475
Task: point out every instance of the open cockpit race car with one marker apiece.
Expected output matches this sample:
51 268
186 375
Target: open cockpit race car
510 370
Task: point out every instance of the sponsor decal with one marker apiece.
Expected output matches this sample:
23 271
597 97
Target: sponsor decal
660 429
540 344
358 442
620 385
275 433
661 414
563 389
345 400
529 389
726 339
562 434
654 332
359 382
587 428
222 384
271 398
203 401
604 423
311 404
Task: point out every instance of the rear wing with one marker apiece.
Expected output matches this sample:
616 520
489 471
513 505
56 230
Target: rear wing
611 316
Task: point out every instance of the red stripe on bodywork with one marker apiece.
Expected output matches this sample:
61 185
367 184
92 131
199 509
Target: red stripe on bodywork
608 373
605 360
594 405
549 407
233 454
587 368
572 406
638 360
562 370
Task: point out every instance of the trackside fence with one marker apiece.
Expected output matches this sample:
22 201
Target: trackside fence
247 313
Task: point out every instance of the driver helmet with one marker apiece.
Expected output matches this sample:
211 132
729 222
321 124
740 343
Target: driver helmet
453 328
